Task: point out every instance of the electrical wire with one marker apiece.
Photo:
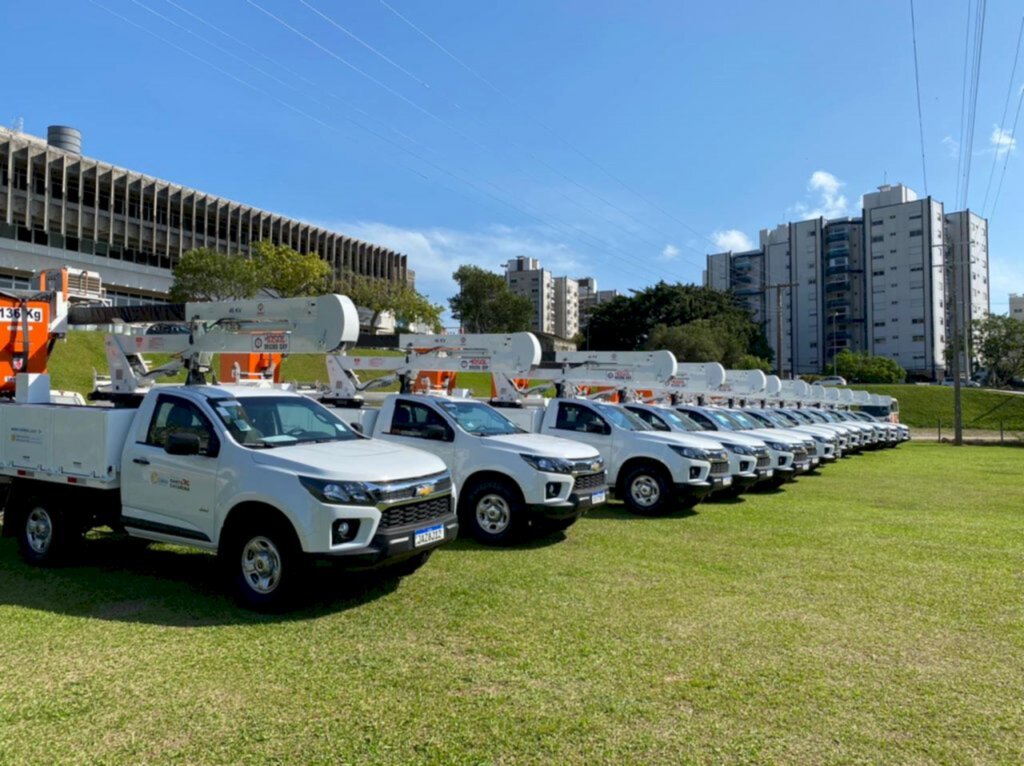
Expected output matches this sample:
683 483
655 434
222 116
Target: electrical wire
973 109
1006 158
917 84
1002 120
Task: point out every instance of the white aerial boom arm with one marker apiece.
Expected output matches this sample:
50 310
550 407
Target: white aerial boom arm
506 356
314 325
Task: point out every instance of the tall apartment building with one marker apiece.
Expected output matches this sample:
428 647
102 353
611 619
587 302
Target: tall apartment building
526 277
58 207
1017 306
567 307
875 283
591 297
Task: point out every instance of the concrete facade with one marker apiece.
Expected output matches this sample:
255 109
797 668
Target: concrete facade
1017 306
567 307
58 207
876 283
526 277
591 297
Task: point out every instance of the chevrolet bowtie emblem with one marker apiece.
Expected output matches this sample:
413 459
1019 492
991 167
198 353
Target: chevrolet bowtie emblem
424 489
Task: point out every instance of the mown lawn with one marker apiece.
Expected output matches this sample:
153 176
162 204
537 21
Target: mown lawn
925 406
871 615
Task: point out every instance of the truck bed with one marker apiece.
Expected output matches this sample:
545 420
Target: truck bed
66 444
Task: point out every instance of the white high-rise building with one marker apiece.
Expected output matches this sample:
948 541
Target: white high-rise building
875 283
567 307
1017 306
526 277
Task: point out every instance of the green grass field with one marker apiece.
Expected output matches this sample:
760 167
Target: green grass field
868 615
925 406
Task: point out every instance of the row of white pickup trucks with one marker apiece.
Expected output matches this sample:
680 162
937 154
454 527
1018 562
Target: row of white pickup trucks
270 479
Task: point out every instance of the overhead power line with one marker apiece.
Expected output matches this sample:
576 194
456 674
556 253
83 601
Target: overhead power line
917 84
972 110
1006 157
595 244
1002 120
521 109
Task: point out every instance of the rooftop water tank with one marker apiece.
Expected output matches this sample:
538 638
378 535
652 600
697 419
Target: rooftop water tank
63 137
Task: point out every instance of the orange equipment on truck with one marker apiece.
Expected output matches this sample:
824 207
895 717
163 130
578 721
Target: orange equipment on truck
35 318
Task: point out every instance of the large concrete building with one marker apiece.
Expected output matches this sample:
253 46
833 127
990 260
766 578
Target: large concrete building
875 283
58 207
562 305
526 277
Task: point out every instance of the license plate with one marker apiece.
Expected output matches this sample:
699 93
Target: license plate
771 472
598 497
428 535
727 481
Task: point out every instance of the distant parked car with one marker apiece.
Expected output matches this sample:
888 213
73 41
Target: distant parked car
832 380
963 382
168 328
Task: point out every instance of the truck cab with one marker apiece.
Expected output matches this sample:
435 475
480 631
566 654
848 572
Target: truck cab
653 472
266 478
507 478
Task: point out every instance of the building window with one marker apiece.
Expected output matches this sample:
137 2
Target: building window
915 232
876 223
879 238
879 324
917 216
918 339
916 268
879 273
917 321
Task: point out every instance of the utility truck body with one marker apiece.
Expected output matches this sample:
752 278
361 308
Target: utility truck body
266 478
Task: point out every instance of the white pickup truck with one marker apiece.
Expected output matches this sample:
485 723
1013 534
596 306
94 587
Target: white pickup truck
652 471
507 479
266 478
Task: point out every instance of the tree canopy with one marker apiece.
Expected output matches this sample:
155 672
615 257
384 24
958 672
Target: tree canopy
204 274
862 367
380 295
999 342
485 303
697 323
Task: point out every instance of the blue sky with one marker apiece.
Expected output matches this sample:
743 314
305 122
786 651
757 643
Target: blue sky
613 139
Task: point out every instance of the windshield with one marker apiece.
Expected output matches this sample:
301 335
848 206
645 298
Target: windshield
621 418
679 421
722 420
783 419
262 422
798 416
745 420
479 419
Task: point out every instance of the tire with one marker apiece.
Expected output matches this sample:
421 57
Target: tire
46 535
647 492
493 513
410 565
266 565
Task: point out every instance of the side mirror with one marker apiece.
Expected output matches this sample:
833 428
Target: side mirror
182 444
357 427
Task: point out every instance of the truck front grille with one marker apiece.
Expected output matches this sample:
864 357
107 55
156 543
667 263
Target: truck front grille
590 481
720 467
764 461
416 513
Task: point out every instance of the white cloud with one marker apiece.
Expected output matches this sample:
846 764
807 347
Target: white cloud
952 146
670 252
1001 141
435 253
732 240
825 198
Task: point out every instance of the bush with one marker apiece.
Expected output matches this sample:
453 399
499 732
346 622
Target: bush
862 367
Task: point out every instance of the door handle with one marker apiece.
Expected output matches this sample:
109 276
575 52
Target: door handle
140 460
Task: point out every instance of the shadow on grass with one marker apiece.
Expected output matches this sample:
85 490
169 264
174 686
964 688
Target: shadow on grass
618 512
533 540
120 580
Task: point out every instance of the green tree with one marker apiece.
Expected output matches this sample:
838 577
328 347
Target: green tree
287 273
485 303
861 367
701 340
627 322
380 295
204 274
999 342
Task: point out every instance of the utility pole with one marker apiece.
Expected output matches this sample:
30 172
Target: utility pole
779 368
954 312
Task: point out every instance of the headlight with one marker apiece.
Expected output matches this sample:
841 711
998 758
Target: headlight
692 453
809 446
739 449
340 492
548 464
779 446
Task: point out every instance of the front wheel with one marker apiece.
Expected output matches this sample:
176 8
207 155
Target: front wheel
493 513
647 492
46 536
268 567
